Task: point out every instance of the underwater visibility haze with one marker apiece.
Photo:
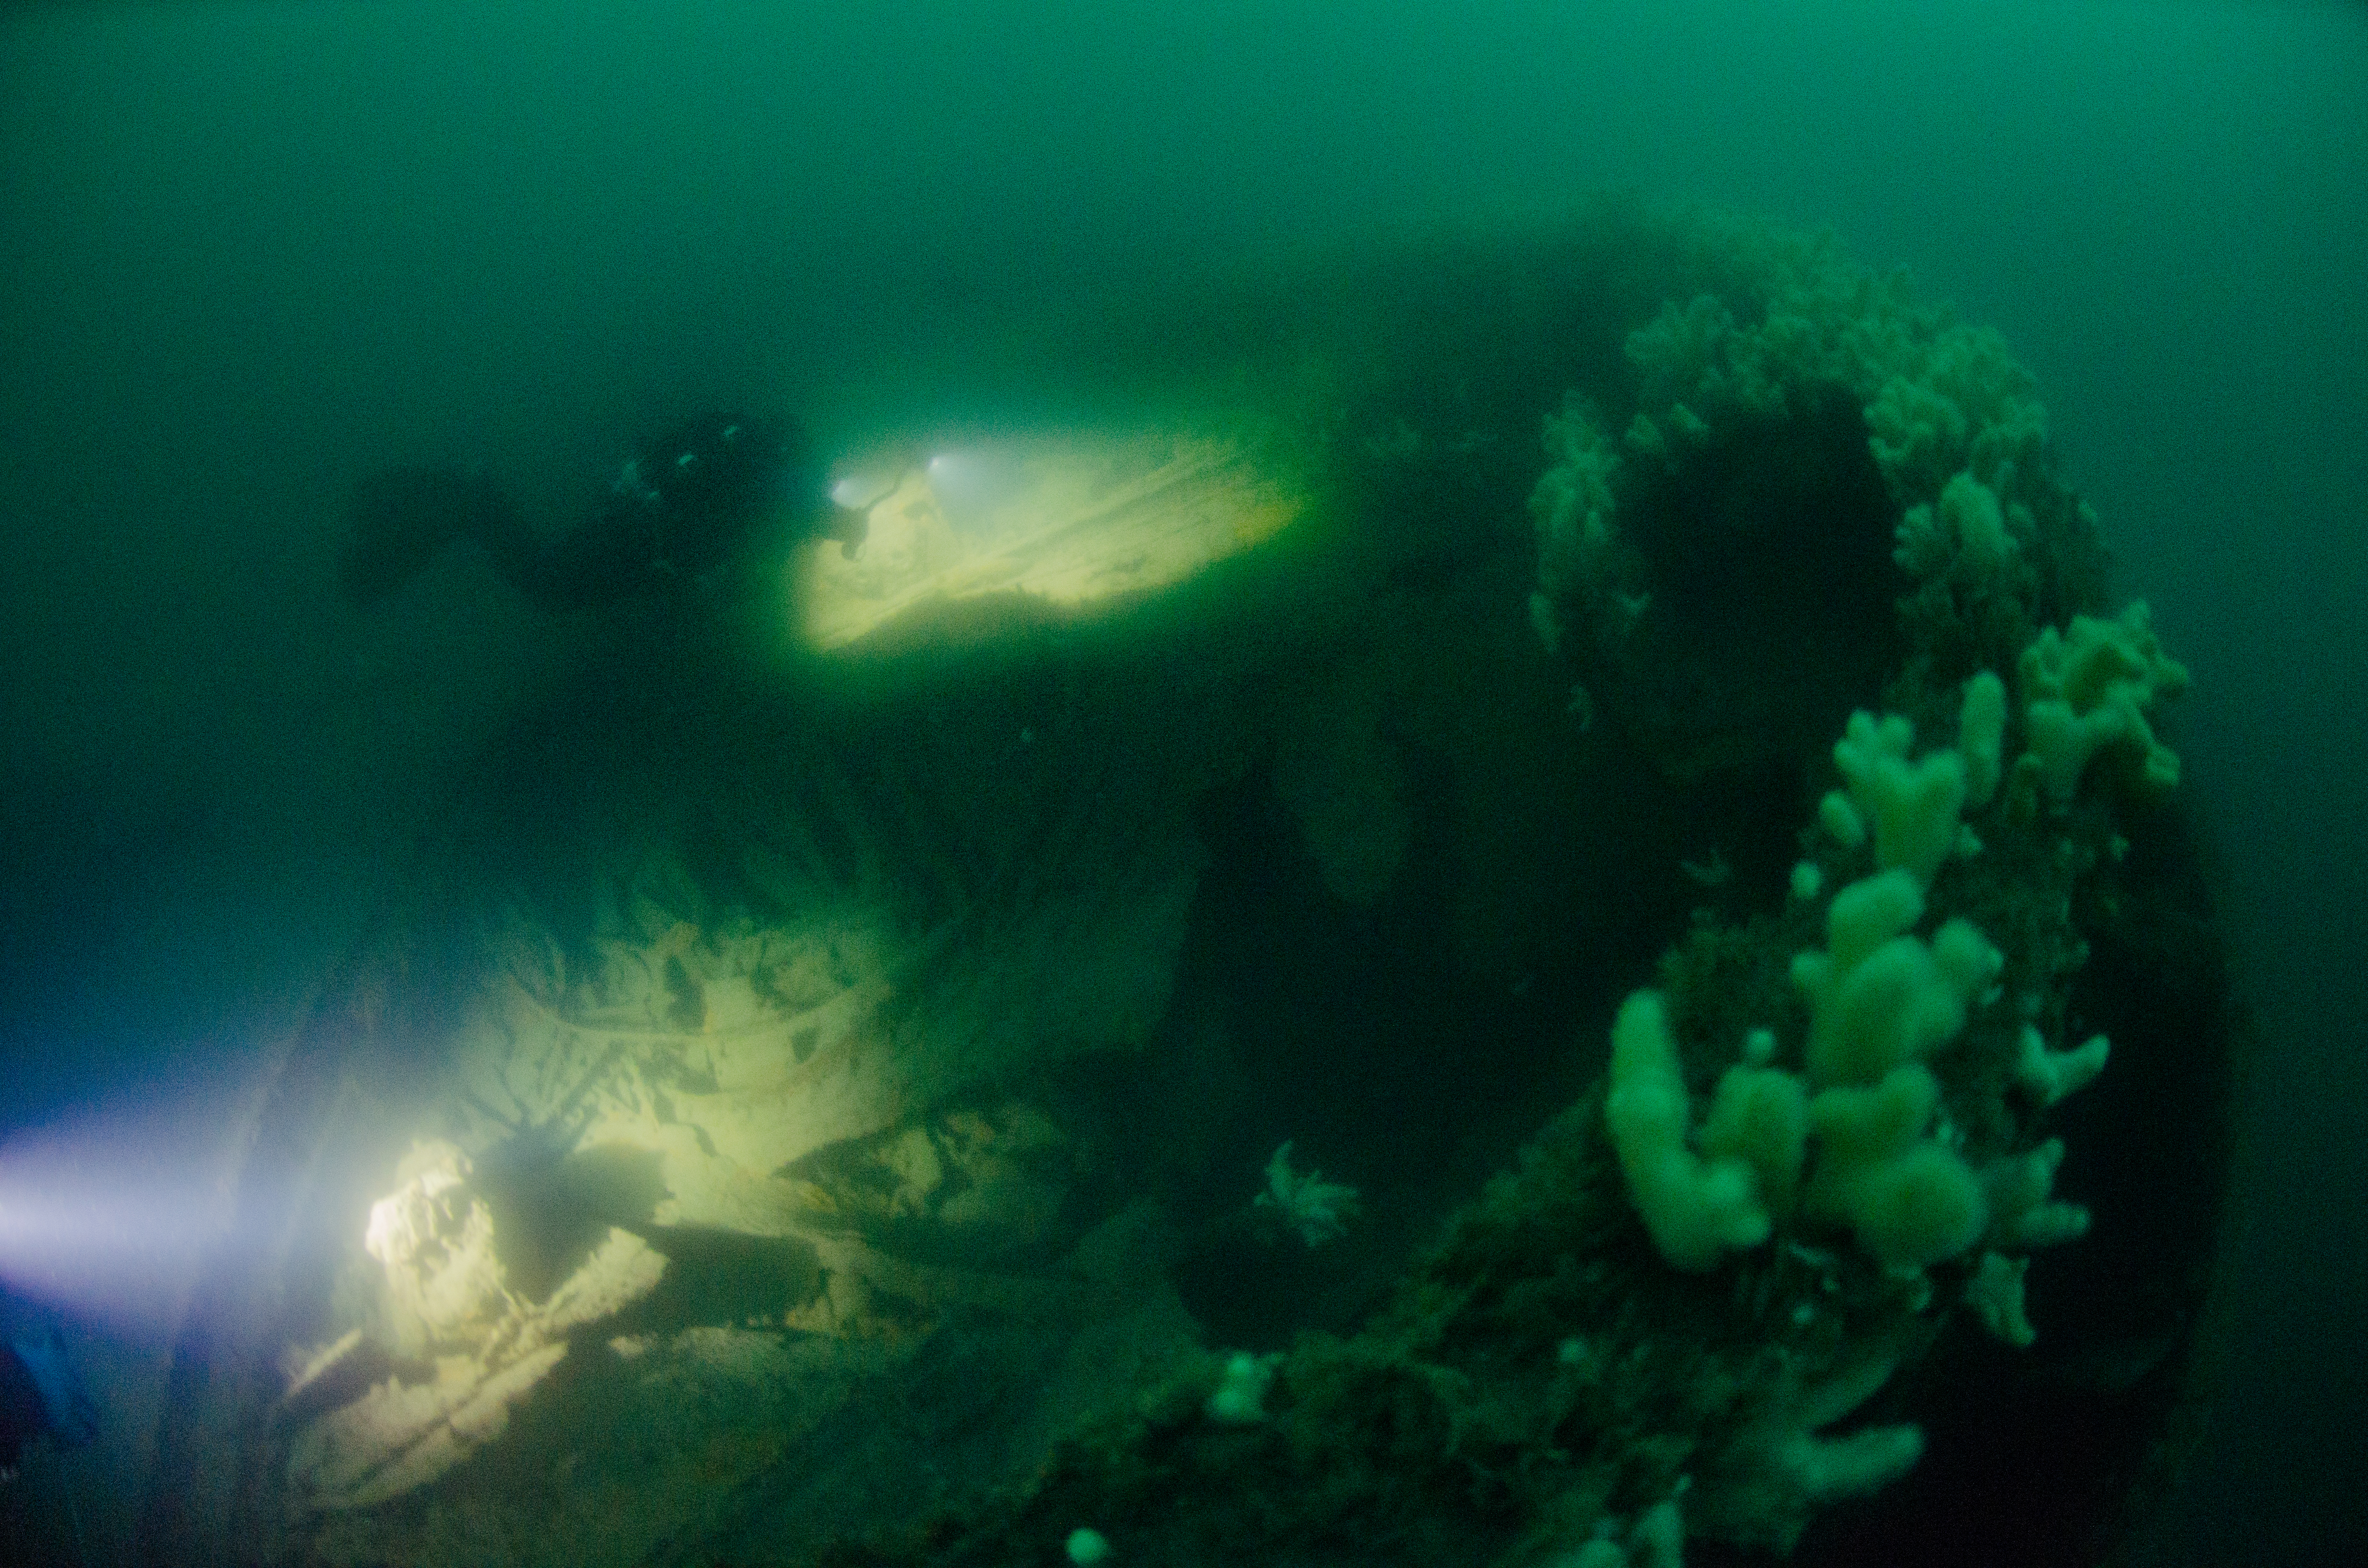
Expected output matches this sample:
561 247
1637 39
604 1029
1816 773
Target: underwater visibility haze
970 784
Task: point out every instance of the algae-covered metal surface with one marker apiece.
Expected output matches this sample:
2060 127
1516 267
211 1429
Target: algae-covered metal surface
1101 1046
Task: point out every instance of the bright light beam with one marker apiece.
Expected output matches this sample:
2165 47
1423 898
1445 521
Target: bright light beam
108 1215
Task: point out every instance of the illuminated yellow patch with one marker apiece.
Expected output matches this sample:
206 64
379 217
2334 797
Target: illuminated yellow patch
1070 520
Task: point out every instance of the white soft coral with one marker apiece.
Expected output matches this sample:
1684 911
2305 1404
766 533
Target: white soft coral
1318 1210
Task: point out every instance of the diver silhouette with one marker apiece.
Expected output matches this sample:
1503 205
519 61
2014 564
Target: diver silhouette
687 504
39 1395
